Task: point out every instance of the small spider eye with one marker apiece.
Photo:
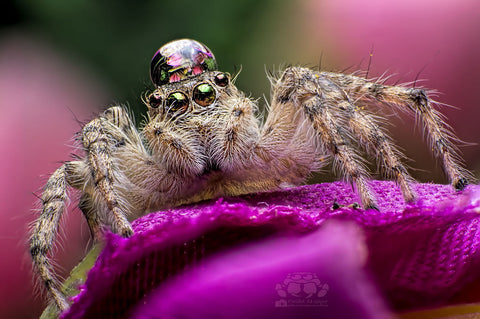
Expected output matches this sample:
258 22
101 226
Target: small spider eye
154 100
177 101
221 79
204 94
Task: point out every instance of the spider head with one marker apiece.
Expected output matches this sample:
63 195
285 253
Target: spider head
186 79
195 107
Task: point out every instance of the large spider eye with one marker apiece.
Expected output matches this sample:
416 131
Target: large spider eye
154 100
221 79
204 94
177 101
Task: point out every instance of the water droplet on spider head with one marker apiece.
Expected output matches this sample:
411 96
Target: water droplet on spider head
180 59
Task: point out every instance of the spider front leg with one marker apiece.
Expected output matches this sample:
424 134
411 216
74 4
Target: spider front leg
101 137
44 232
94 176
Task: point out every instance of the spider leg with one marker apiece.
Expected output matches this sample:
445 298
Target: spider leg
53 199
416 101
87 207
77 172
345 156
299 88
380 144
100 138
376 141
120 118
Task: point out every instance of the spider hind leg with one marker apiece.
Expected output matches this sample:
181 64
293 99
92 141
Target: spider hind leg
339 121
415 101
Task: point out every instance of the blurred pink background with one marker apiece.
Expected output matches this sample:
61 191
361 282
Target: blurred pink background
43 92
438 41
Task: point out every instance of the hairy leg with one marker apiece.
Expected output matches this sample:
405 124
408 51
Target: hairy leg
416 101
345 157
303 118
43 234
99 139
365 127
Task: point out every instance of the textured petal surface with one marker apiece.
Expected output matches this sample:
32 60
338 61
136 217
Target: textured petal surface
317 275
418 255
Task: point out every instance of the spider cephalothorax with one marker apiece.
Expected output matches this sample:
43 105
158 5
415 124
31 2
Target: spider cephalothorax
202 140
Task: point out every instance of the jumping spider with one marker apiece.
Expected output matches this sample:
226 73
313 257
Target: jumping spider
202 140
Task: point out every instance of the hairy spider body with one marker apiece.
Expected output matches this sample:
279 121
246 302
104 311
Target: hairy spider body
202 140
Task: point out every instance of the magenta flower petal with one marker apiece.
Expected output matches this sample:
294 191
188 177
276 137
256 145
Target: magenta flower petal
419 254
320 275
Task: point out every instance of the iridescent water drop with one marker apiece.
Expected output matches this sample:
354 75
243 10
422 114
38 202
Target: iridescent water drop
180 59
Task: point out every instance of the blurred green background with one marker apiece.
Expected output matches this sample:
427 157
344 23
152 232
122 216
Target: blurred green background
116 39
63 61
